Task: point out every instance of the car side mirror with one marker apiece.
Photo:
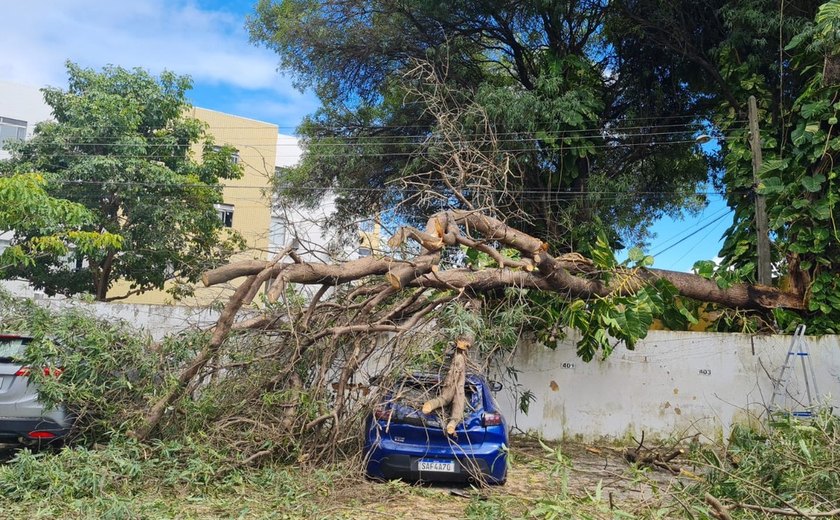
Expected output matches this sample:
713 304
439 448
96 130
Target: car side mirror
495 386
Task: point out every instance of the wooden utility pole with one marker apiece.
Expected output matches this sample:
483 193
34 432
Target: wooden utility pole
764 276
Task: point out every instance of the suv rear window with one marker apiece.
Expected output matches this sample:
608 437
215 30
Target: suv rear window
12 348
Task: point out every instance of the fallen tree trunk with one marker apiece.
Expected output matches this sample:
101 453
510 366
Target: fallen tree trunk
220 333
242 296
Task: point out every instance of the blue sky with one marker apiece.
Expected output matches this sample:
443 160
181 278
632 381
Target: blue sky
206 39
680 243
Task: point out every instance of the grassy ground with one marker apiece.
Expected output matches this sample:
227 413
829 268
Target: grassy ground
571 481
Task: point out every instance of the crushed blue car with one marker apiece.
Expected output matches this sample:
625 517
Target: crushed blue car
402 442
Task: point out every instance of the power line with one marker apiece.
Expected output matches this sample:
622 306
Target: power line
692 248
587 121
383 189
690 119
420 146
329 142
690 235
599 132
677 236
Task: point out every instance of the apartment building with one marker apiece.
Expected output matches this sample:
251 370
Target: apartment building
307 226
246 206
21 107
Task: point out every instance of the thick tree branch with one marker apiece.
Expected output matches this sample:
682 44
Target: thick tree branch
566 274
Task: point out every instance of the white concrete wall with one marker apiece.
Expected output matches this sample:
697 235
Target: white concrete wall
672 384
156 320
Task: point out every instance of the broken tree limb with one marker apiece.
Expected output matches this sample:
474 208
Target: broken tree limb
654 459
220 333
264 276
459 399
720 511
688 285
443 399
404 272
500 259
314 303
452 392
432 241
494 229
570 274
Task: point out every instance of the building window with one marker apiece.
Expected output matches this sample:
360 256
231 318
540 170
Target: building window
234 156
276 234
11 130
225 212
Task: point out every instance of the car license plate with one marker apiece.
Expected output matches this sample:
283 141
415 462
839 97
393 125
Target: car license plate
444 466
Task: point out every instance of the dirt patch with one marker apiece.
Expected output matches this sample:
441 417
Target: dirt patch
597 475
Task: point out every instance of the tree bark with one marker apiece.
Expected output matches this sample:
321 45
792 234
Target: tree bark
452 394
553 275
571 273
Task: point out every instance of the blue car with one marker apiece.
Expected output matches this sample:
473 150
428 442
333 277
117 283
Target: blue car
402 442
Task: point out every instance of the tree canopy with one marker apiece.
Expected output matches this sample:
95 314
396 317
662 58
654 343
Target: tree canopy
570 106
122 146
588 115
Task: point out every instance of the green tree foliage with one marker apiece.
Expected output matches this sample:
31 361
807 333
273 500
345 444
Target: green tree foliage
562 86
122 146
786 55
25 203
564 101
108 368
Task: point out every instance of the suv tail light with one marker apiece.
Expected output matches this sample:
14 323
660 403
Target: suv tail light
48 371
382 414
41 435
491 419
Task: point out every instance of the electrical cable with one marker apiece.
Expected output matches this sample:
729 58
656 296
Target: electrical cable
690 235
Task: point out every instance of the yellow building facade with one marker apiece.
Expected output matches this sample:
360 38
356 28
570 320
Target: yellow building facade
247 201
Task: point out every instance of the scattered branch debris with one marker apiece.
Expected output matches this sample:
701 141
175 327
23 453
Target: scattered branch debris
656 458
719 511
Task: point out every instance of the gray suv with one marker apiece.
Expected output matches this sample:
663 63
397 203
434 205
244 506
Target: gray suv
24 419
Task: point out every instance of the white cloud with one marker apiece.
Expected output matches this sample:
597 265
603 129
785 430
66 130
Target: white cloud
211 46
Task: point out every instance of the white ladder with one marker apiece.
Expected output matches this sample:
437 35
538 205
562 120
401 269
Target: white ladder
798 348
